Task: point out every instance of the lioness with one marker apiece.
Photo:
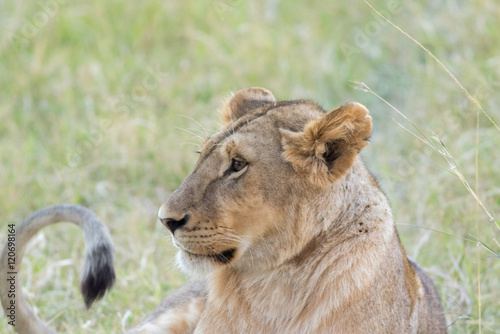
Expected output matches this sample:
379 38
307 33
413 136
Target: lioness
289 232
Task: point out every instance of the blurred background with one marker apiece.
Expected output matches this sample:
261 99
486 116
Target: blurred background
103 103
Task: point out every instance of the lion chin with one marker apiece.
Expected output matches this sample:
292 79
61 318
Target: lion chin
201 265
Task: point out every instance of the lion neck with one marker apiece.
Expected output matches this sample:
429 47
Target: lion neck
323 264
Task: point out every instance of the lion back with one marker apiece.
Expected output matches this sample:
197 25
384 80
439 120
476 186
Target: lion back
430 311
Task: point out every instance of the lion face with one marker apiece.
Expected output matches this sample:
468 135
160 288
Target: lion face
247 202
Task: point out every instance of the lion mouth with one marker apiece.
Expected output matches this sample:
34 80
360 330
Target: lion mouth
222 257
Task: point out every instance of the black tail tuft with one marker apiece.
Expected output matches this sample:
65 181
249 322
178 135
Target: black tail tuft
99 274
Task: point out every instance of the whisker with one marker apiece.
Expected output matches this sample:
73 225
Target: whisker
192 119
192 133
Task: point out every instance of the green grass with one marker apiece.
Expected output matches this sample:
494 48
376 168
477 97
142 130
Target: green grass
83 120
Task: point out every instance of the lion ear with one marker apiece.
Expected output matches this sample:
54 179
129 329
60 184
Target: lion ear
327 147
244 101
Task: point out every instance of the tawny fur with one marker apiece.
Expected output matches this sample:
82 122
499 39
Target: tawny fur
312 241
239 104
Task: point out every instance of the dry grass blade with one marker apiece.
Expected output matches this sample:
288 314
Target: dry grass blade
438 145
464 90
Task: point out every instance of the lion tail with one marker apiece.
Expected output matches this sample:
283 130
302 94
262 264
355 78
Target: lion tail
97 276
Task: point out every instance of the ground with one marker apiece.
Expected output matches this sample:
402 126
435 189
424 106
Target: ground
104 104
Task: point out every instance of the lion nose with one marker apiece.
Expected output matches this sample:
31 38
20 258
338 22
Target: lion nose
171 223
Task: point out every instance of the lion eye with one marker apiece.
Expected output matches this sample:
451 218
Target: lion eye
237 165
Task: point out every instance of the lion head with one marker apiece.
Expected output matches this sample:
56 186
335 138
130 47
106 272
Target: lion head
256 196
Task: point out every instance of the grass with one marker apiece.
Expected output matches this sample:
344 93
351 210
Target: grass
93 96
